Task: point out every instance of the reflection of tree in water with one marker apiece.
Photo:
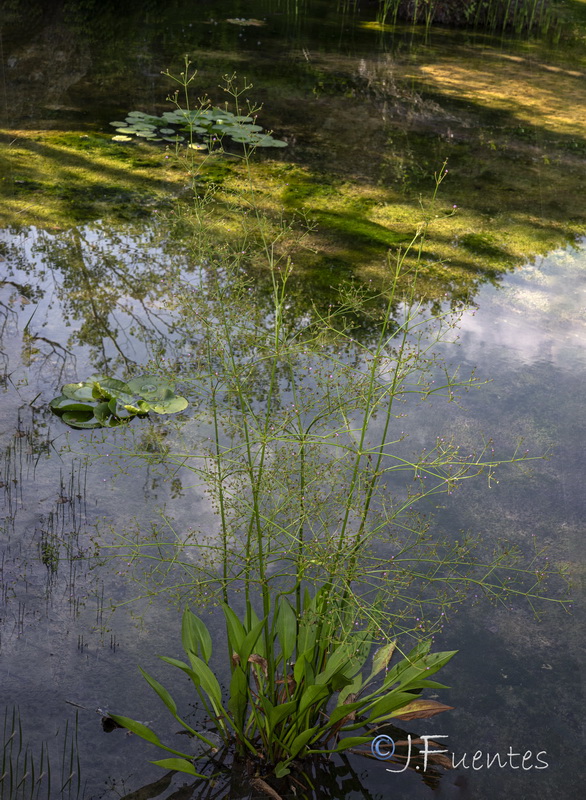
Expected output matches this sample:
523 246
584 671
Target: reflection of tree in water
126 297
115 286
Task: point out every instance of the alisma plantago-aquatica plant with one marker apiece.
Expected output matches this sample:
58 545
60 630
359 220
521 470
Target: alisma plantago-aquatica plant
318 551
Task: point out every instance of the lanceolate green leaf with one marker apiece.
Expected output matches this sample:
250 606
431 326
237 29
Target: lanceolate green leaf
410 675
236 632
301 740
345 744
238 701
249 641
278 713
145 733
195 636
208 682
381 660
161 691
311 695
180 765
286 625
383 707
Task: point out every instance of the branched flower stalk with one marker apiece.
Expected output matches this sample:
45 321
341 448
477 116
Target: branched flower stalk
318 550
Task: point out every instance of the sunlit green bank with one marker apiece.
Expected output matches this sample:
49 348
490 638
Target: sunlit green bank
363 145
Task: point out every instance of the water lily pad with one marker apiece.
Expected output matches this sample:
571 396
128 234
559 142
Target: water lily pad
81 419
120 138
268 141
110 388
203 122
103 413
62 403
114 386
194 129
171 406
151 387
106 402
82 391
197 146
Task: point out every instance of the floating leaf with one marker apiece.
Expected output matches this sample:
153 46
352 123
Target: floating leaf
107 402
120 138
151 387
172 406
81 419
203 121
195 129
78 391
62 403
103 413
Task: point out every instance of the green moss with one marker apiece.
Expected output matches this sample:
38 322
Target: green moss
483 245
59 179
508 121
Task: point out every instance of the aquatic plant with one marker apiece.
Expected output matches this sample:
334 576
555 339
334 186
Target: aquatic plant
300 697
317 539
517 15
103 402
186 126
201 128
50 772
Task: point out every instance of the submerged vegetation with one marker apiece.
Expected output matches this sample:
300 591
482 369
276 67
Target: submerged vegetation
515 161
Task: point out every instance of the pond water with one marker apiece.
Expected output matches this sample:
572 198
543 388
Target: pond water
369 117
